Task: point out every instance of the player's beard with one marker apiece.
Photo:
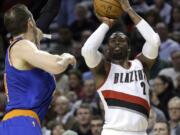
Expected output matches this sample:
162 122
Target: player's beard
120 56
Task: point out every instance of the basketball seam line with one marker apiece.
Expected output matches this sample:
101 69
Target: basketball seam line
111 3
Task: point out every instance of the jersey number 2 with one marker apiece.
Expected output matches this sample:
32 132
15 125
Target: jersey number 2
143 85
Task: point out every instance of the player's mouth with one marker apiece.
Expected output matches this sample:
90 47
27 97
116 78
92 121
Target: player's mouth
117 49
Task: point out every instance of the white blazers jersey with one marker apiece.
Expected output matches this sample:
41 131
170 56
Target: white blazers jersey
125 96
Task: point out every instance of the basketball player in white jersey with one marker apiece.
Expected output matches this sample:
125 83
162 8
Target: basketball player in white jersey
122 84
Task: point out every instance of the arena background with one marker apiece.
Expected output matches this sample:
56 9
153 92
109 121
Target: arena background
76 105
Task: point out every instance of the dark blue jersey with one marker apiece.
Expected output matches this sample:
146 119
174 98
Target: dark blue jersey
28 89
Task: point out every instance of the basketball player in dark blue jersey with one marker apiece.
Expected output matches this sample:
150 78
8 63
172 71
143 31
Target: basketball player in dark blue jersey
28 74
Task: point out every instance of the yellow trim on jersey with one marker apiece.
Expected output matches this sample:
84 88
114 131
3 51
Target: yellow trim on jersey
18 112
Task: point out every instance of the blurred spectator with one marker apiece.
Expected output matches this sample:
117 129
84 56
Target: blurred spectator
164 9
89 97
178 131
157 67
2 51
161 128
149 2
71 95
69 132
85 35
167 45
83 117
2 104
174 114
66 13
163 91
178 86
140 6
64 115
58 129
96 125
45 131
174 71
175 36
65 41
153 17
88 75
82 21
62 83
175 21
175 3
155 115
75 82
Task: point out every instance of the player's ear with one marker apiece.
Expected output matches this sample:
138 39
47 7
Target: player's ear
30 23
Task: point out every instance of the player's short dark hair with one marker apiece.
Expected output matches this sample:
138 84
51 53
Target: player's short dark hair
16 19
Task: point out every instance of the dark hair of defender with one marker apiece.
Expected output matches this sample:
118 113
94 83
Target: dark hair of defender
16 19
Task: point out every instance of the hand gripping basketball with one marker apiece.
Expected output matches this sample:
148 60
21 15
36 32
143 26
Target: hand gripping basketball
106 20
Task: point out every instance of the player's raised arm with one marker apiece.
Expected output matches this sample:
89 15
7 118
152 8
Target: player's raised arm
93 58
55 64
151 46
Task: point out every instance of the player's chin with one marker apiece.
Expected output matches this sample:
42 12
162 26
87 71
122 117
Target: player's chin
119 56
116 56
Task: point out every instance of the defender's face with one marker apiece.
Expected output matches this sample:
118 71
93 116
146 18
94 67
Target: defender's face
118 46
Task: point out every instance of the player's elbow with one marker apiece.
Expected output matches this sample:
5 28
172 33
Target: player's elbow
87 52
84 51
155 40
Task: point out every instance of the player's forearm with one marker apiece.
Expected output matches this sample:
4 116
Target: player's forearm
143 27
47 62
134 16
54 64
96 39
90 49
63 65
148 33
151 47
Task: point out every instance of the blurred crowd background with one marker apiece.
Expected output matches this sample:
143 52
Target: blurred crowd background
76 108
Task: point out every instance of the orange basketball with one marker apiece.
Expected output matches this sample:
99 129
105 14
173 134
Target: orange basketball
108 8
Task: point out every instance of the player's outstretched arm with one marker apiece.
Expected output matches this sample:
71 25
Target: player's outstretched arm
151 46
55 64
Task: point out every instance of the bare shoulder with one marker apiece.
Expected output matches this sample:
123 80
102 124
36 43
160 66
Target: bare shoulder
24 44
23 47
